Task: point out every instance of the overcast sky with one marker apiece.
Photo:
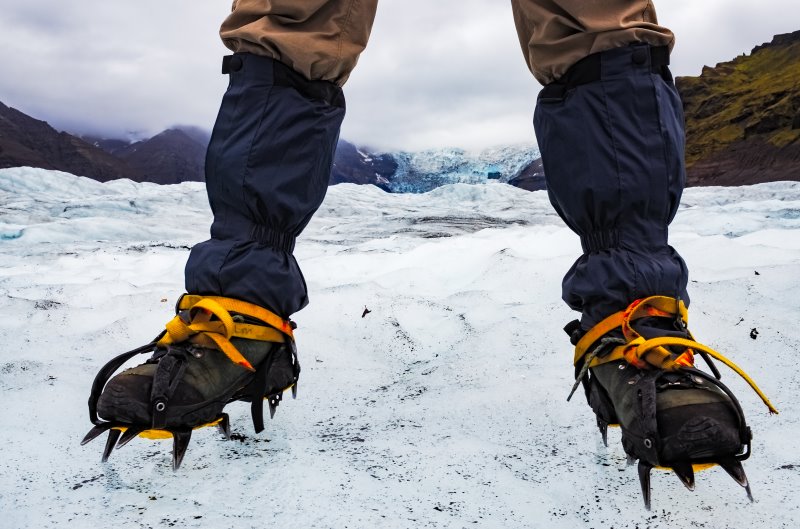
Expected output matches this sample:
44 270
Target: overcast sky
436 72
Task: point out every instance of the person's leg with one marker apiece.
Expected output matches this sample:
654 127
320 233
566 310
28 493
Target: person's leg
267 171
271 151
612 150
609 124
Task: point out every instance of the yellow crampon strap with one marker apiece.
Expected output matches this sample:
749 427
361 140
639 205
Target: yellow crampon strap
201 330
644 353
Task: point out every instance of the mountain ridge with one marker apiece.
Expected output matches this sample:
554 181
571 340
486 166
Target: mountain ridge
28 141
743 117
742 127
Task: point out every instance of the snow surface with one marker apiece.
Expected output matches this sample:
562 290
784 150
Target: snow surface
443 407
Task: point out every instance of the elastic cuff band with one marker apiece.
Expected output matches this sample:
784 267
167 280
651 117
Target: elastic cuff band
279 240
599 240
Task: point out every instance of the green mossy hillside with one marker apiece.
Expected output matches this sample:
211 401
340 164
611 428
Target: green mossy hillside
753 100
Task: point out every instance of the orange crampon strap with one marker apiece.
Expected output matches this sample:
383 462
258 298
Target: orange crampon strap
201 329
652 353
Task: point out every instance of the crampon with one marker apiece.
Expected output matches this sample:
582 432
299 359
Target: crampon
637 368
215 351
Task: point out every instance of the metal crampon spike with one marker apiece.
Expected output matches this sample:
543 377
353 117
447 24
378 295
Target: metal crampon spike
224 426
180 440
644 479
603 426
685 473
128 435
94 432
735 469
111 442
274 400
257 412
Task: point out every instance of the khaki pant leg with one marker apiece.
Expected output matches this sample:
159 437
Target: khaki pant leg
320 39
555 34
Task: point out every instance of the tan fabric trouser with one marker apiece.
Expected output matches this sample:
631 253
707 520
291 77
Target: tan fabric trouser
322 39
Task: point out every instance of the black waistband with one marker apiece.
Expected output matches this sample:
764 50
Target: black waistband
590 69
283 75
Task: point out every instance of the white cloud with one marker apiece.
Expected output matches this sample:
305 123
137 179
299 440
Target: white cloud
439 73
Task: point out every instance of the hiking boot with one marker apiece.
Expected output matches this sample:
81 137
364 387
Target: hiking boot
637 368
200 364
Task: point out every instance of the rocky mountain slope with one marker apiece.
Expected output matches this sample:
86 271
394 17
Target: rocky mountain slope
173 156
25 141
530 177
743 117
352 165
170 157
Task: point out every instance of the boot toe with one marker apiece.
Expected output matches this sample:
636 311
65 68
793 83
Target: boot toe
126 398
698 432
